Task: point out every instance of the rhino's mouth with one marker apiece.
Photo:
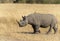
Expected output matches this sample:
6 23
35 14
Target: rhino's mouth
21 23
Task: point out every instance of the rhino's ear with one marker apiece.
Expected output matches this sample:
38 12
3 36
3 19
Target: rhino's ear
24 18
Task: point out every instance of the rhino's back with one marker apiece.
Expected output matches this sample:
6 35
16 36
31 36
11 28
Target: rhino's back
43 19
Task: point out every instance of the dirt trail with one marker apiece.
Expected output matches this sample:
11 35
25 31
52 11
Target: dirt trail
30 37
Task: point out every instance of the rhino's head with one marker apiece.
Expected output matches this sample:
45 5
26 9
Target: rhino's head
23 22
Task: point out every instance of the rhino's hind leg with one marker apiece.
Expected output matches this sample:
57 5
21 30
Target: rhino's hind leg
49 30
36 29
51 26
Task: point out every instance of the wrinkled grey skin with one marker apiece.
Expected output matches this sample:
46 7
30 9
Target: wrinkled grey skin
39 20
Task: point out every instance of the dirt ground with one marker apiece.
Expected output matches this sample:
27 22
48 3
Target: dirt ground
10 31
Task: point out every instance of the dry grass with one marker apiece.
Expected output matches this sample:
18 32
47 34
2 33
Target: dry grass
9 29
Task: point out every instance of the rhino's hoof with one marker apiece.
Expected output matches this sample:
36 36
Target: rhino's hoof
35 32
39 31
47 33
55 32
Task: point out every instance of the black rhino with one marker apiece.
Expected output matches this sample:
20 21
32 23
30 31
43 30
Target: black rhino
39 20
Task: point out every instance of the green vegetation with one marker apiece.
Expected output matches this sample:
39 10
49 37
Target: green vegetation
39 1
32 1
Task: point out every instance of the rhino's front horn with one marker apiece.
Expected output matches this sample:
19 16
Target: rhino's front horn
18 22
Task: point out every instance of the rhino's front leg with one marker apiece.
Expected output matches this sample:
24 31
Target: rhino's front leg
36 29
